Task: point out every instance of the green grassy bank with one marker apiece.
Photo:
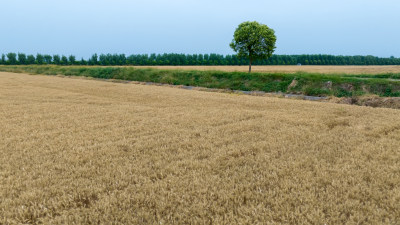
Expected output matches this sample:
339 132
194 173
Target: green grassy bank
340 85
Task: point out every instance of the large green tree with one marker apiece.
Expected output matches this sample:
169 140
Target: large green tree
253 41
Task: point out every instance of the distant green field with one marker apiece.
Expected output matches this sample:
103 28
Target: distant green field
313 84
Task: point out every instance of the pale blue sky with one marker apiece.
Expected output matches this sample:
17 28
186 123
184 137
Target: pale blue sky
83 27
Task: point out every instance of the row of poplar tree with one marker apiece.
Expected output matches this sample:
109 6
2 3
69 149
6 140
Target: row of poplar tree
192 59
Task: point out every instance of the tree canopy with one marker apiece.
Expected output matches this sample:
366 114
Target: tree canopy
196 59
253 41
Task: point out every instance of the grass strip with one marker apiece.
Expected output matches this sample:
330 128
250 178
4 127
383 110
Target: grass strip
313 84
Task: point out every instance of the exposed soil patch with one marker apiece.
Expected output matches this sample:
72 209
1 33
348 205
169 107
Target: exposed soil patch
372 101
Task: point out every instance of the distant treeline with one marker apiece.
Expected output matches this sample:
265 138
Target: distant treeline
194 59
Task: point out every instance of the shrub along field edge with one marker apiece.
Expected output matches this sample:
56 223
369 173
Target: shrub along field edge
312 84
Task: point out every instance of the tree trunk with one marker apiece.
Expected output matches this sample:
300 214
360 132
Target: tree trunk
250 65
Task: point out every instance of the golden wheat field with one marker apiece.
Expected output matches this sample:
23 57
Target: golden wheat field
292 69
81 151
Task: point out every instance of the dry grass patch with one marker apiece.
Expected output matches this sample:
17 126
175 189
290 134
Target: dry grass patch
293 69
84 151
